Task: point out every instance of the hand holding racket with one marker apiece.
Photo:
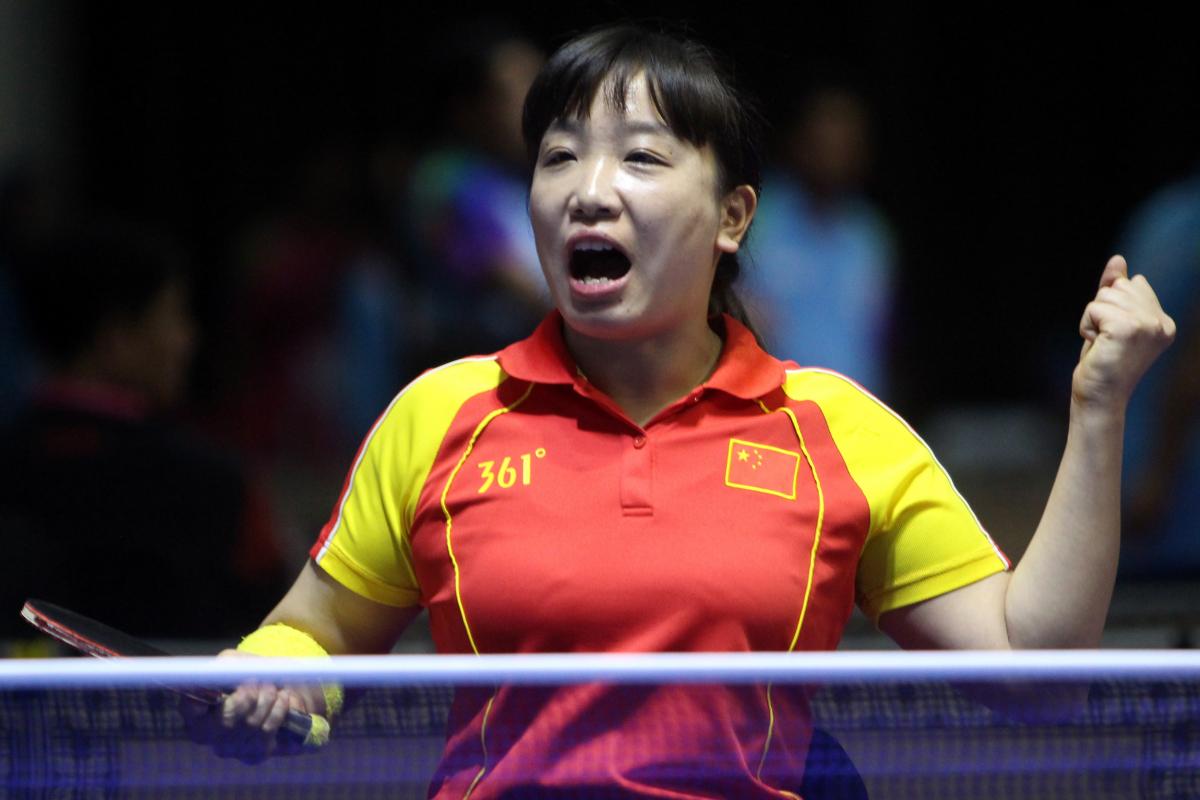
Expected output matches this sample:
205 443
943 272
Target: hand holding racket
254 721
264 716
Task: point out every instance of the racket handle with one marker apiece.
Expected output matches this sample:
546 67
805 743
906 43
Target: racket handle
310 731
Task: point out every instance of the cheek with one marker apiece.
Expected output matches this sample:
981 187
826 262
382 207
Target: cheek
545 222
544 240
654 207
695 222
687 205
542 218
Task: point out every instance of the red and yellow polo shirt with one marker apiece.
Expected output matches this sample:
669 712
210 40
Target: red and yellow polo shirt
522 507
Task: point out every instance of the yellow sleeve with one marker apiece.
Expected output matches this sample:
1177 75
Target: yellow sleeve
366 544
923 539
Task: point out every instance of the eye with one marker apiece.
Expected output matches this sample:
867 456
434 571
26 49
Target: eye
644 157
556 156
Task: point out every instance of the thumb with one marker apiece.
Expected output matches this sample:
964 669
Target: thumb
1115 268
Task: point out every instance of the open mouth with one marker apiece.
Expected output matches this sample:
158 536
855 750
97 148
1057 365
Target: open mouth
598 262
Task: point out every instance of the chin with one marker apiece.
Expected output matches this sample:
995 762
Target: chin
612 322
595 321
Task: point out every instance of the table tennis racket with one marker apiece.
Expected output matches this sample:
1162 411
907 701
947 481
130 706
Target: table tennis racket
97 639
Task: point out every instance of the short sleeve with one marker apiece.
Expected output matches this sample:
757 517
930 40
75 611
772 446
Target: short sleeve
366 545
923 539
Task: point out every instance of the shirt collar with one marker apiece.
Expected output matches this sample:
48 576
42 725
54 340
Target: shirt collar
743 370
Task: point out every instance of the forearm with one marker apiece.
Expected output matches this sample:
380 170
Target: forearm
1060 591
307 608
1058 595
318 616
337 618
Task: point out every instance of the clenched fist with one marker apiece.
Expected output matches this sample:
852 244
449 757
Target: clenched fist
1124 330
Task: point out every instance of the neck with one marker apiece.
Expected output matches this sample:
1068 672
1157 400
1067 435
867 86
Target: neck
644 376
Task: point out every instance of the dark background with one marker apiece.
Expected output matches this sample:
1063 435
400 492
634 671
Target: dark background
1010 147
1010 151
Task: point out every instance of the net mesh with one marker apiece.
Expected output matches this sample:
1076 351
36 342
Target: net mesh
1116 736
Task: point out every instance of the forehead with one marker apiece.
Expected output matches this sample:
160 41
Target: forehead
631 110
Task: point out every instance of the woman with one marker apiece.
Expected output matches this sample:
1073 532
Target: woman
718 499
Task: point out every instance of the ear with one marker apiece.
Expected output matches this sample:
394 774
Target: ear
737 210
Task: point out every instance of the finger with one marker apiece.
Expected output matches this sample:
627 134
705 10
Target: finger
1089 324
1142 288
231 706
1122 296
312 699
262 705
1115 268
1142 310
239 703
278 711
1138 299
301 700
1104 319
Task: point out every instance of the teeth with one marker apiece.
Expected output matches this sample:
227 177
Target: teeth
591 280
593 244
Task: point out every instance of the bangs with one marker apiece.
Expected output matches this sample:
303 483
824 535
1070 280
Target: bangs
686 85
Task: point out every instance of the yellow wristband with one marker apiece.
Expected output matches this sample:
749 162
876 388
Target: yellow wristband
284 640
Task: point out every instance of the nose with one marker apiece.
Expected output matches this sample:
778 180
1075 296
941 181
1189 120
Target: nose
595 196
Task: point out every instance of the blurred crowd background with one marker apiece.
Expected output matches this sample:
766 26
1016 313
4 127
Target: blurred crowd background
228 236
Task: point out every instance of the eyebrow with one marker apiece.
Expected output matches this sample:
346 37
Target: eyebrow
574 126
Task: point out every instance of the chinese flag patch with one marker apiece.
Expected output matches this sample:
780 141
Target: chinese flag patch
762 468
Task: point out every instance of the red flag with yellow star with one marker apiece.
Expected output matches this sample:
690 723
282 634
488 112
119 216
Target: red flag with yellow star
762 468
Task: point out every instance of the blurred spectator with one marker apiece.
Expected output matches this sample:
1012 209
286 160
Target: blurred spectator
104 506
466 218
323 315
1162 427
320 338
820 280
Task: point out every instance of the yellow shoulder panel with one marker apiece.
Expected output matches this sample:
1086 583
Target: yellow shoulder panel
367 546
924 540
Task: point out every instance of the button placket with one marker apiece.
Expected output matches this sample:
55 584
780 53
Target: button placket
637 476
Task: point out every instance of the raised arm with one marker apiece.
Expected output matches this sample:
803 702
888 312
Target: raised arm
1058 595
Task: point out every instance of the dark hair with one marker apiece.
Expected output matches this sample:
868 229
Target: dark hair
81 279
693 92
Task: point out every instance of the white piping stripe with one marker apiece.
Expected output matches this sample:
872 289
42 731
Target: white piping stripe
371 434
928 449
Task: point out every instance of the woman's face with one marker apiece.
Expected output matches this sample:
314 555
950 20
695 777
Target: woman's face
628 221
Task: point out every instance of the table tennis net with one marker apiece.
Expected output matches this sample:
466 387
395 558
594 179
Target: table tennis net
114 730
